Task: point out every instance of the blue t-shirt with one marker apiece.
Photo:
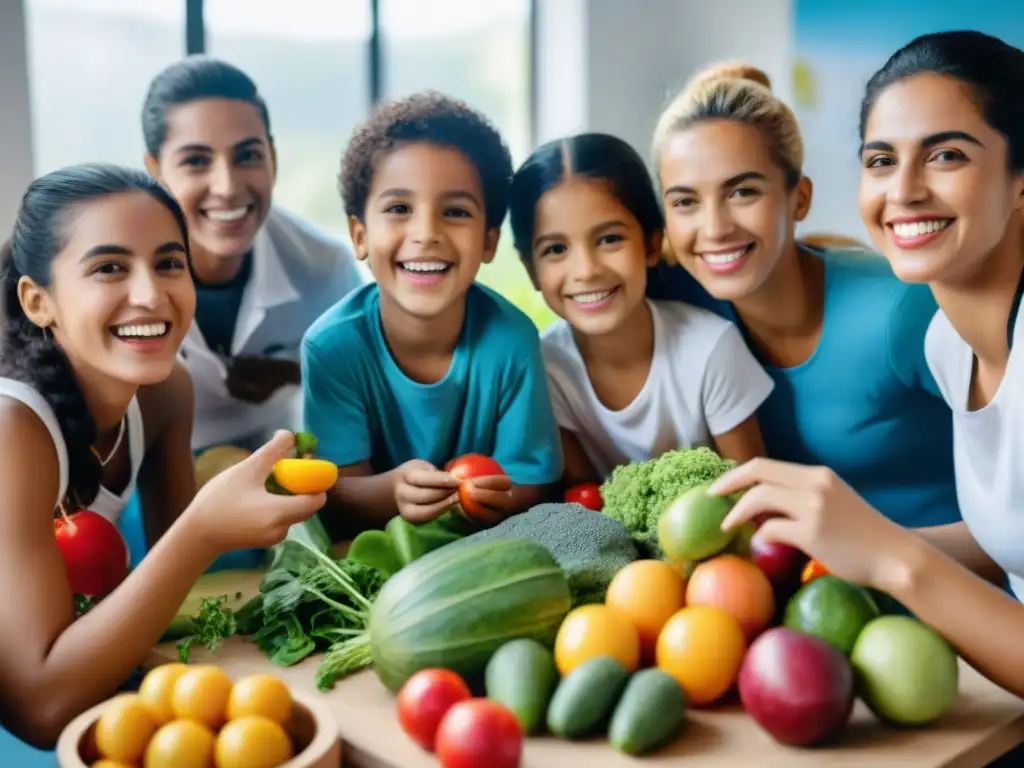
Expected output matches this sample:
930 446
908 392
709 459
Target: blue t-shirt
864 403
493 400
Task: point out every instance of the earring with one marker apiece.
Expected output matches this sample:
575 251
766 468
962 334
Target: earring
47 336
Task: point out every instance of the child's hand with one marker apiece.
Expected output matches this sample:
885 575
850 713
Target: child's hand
422 491
234 510
812 509
491 496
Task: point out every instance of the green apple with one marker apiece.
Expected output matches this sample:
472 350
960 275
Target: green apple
907 674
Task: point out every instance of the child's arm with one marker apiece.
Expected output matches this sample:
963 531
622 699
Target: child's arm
735 386
741 443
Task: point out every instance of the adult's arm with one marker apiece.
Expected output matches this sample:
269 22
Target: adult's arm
54 667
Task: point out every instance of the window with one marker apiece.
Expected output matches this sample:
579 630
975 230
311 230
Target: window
89 66
309 60
478 52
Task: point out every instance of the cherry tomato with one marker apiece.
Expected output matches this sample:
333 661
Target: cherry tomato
95 556
585 494
423 701
479 732
469 466
812 570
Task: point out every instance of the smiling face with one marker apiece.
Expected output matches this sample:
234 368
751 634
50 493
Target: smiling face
729 214
218 163
424 232
589 257
935 193
120 298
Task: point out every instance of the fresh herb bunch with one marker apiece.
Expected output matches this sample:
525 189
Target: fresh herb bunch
310 602
212 624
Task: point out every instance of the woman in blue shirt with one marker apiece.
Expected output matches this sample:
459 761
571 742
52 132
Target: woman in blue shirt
842 337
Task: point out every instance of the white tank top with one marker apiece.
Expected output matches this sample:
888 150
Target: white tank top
988 445
107 503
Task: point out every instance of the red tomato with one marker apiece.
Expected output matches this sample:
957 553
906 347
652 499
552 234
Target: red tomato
478 733
586 494
95 555
474 465
423 701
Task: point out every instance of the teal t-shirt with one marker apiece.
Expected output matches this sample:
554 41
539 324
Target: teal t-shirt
493 400
864 403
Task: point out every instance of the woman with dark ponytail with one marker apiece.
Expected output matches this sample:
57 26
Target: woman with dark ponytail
942 196
96 298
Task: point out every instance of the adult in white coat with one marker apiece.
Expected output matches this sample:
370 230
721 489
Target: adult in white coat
262 275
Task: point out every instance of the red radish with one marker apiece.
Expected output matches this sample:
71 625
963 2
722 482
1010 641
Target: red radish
781 563
424 700
95 556
585 494
477 733
469 466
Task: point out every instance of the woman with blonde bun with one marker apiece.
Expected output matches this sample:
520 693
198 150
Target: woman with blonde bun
838 332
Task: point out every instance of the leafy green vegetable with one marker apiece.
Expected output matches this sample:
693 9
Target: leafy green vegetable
588 546
635 494
374 548
212 624
83 604
309 602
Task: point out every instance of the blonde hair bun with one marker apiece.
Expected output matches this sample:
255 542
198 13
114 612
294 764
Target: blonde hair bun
730 70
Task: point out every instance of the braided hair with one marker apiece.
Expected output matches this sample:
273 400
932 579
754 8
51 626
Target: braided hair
29 354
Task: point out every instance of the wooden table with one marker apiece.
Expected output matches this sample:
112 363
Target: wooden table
986 723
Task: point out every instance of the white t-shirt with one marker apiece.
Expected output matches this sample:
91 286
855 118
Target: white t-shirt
703 382
988 445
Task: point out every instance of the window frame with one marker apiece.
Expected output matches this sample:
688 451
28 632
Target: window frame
195 42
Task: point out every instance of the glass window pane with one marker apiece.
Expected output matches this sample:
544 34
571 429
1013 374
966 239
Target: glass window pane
478 52
89 65
309 60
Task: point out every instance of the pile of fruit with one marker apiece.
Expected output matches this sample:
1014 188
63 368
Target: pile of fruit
195 717
720 613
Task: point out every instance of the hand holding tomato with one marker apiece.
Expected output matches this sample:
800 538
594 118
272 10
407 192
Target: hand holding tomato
422 491
484 488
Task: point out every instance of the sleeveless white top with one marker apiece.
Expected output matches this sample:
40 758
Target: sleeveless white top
988 445
107 503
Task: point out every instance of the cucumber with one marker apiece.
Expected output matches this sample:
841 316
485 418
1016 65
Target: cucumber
585 698
522 676
649 713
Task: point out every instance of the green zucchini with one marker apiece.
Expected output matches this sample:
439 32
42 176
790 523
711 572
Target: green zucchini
454 607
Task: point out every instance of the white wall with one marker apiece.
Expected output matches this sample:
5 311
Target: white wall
15 118
612 65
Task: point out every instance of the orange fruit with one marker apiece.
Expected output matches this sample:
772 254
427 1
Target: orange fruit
649 592
181 744
738 587
105 763
201 694
263 695
252 742
702 647
596 630
156 688
306 475
124 728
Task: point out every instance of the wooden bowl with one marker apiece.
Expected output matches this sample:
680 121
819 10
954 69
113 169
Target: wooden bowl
312 728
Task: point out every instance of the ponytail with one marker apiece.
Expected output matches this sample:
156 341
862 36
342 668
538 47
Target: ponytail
30 354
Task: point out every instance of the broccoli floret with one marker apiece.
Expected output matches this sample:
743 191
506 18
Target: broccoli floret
589 547
636 494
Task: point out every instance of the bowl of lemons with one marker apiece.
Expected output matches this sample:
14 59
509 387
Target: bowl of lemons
196 716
